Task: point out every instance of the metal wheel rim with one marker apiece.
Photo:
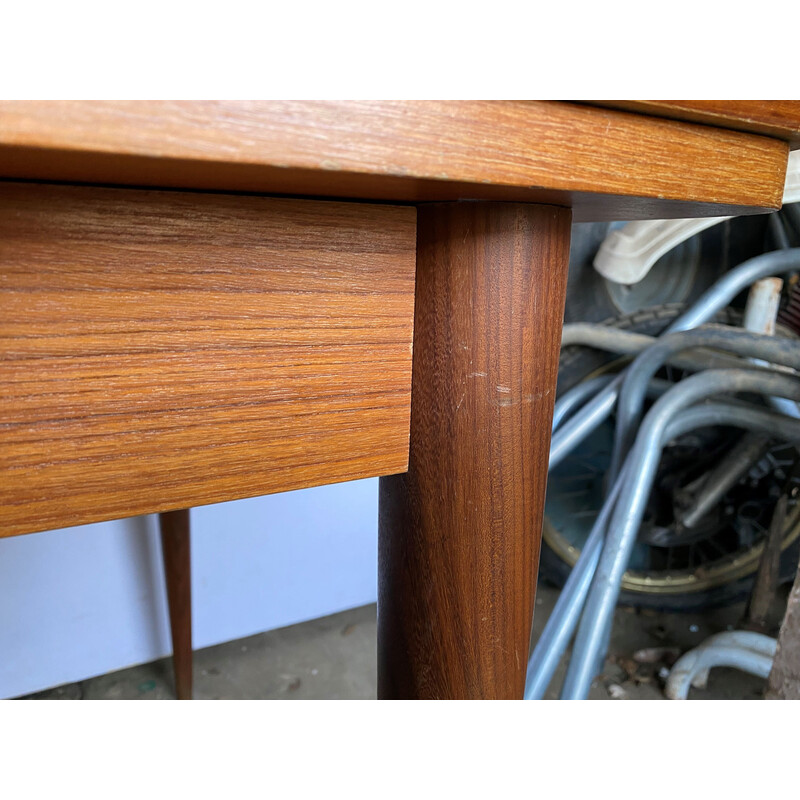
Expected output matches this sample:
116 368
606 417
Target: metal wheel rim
680 581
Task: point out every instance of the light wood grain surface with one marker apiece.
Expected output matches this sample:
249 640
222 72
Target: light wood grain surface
777 118
160 350
606 164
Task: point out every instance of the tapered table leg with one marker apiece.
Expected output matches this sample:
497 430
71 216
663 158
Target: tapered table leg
460 531
177 568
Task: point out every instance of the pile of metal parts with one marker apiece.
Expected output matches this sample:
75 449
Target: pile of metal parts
725 368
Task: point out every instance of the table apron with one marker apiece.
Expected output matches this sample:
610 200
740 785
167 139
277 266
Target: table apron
161 350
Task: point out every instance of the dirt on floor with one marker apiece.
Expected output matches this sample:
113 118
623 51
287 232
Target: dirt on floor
335 658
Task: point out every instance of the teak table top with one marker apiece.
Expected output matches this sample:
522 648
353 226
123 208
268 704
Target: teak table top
604 163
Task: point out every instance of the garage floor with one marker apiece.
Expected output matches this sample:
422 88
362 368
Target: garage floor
334 658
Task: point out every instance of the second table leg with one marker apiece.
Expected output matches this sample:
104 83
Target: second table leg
176 552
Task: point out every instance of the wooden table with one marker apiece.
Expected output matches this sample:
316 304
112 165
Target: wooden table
205 301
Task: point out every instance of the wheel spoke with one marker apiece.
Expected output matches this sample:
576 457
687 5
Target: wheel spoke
576 489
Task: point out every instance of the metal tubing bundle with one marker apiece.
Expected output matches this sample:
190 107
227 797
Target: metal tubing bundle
726 361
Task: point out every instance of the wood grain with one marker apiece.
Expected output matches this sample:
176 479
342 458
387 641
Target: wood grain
779 119
176 553
161 350
459 533
605 164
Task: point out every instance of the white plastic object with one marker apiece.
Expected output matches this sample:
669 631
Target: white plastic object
628 253
744 650
760 314
761 309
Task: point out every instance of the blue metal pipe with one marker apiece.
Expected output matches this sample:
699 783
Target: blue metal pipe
715 298
630 506
718 296
637 377
576 396
561 624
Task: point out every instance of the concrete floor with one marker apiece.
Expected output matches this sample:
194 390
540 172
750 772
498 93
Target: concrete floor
334 658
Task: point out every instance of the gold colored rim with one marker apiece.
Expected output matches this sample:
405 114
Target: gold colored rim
685 581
